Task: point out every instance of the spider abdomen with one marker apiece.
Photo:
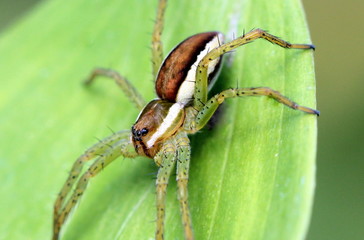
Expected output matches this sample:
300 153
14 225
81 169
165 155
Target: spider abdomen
175 81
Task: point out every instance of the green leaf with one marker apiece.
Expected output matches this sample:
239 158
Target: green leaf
252 174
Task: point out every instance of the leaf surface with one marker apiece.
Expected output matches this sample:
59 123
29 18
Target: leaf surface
252 174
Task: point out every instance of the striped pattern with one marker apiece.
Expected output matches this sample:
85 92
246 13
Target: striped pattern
179 67
168 124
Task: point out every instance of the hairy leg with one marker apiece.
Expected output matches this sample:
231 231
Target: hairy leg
211 105
91 153
201 74
107 150
157 47
129 90
183 165
166 157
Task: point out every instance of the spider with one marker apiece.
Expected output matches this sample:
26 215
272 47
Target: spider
163 125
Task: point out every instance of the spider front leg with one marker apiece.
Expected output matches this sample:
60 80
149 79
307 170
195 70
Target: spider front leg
107 150
129 90
89 154
165 158
202 70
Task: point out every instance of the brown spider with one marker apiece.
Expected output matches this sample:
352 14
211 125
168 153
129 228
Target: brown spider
162 128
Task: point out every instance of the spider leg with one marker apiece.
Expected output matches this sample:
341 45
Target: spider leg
157 47
129 90
201 73
167 157
183 165
89 154
211 105
107 150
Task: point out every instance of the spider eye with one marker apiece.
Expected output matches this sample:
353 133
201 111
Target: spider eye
139 133
144 131
136 133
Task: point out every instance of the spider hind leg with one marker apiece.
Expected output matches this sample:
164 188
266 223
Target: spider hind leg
211 105
201 88
129 90
157 47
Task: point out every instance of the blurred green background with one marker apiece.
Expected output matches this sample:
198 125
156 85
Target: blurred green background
336 30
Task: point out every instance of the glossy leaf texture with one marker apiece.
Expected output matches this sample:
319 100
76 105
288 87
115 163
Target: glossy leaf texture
252 173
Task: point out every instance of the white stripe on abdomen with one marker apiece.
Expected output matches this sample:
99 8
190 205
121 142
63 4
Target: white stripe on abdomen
187 88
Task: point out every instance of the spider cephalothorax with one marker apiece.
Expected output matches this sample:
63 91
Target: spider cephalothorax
158 121
160 131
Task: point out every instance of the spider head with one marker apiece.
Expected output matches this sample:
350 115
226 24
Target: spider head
158 121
